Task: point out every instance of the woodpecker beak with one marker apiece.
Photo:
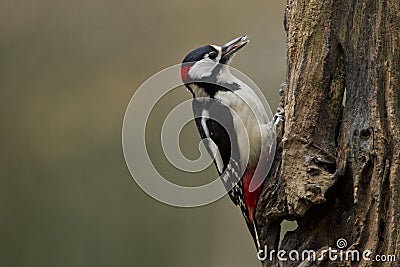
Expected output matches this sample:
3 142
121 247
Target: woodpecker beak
229 49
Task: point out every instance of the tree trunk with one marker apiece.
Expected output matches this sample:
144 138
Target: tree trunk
337 167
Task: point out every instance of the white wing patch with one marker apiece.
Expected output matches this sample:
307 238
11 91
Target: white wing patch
216 155
212 146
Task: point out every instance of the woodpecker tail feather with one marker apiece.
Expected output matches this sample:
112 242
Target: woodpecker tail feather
254 234
256 238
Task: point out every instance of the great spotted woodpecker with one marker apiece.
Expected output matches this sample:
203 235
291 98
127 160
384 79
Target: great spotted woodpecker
231 118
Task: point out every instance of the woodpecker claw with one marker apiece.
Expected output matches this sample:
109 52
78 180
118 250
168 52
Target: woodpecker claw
279 116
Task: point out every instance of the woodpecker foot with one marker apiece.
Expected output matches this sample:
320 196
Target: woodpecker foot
279 115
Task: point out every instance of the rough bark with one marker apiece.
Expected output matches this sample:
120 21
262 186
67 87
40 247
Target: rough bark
337 168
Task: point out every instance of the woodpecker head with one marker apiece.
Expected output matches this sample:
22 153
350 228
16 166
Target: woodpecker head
208 64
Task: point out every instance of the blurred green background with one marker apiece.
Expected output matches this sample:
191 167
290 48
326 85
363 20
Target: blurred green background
67 72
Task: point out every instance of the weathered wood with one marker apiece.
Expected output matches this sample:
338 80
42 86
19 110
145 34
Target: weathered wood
337 171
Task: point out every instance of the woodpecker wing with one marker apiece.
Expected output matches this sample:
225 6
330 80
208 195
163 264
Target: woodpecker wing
215 124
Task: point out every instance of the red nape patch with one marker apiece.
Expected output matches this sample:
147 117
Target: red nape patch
185 73
250 198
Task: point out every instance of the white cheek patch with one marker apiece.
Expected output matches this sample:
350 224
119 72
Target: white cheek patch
202 68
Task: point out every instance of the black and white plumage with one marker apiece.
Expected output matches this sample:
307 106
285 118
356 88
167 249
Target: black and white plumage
233 123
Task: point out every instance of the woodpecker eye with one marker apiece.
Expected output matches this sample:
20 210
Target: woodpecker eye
212 55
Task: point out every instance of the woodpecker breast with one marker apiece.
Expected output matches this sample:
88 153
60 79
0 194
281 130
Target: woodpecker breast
248 122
